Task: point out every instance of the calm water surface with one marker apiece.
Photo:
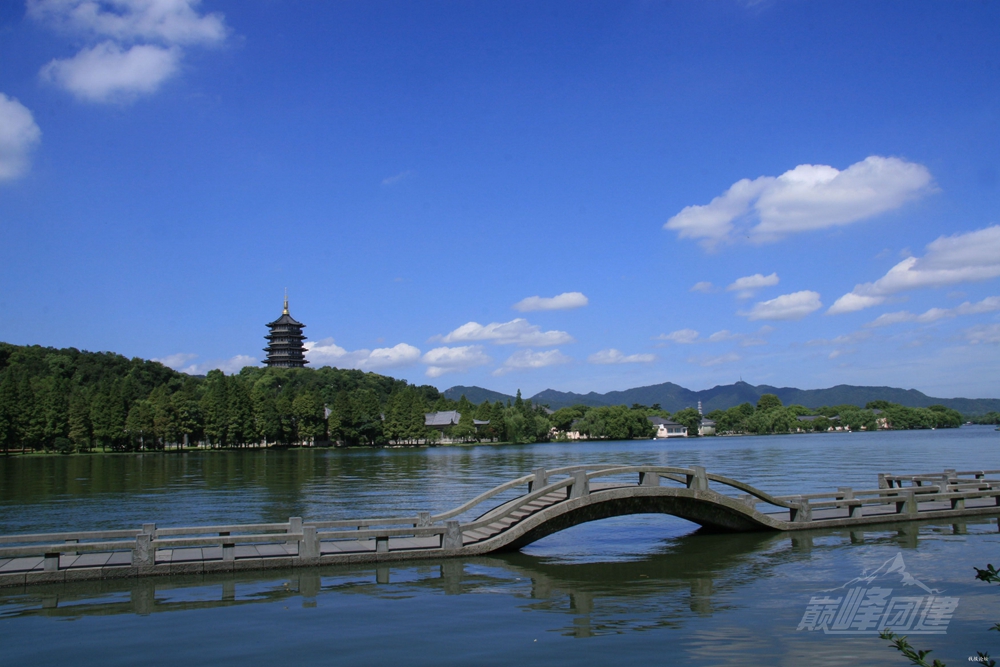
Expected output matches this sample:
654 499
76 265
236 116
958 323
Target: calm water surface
646 588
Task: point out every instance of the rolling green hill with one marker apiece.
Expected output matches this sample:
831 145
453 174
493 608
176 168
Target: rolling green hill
673 397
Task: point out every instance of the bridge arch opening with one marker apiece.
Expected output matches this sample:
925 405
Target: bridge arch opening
622 537
710 515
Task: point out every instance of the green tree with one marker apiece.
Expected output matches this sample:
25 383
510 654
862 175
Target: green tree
309 415
367 415
768 402
139 424
690 418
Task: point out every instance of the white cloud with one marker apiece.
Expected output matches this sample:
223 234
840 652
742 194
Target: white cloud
984 333
227 366
18 135
165 21
613 356
401 176
106 73
443 360
516 332
960 258
704 287
564 301
528 359
844 339
715 361
681 336
327 353
176 361
713 222
792 306
391 357
747 286
805 198
724 335
987 305
141 47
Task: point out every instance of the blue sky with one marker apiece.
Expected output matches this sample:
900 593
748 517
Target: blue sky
582 196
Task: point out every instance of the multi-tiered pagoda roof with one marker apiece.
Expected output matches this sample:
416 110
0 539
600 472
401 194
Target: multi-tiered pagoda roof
284 342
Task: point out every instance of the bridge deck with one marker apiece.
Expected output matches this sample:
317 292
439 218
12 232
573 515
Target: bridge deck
554 500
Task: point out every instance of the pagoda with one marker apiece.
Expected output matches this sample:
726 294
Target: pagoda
284 341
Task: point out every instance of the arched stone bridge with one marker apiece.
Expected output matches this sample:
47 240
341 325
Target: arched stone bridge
553 501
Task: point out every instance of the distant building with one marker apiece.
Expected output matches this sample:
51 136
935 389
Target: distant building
668 429
442 420
284 342
706 427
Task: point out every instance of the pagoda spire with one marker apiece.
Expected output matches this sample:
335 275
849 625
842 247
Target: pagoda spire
284 341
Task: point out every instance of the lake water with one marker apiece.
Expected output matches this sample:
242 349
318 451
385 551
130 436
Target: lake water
644 588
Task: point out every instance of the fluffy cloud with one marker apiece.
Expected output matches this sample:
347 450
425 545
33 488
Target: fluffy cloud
564 301
792 306
141 43
808 197
106 72
704 287
715 361
178 360
327 353
227 366
516 332
681 336
443 360
18 135
984 333
747 286
528 359
987 305
166 21
949 260
613 356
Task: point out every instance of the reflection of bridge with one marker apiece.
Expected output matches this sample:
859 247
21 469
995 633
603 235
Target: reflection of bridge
555 500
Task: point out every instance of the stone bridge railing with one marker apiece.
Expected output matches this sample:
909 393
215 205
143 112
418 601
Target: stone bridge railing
423 535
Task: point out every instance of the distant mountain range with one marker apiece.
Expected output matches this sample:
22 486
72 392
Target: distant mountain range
673 397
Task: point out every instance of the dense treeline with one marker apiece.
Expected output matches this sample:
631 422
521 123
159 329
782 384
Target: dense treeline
988 418
67 400
71 400
770 416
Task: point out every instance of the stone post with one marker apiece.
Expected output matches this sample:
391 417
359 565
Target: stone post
228 548
540 480
144 554
801 512
452 537
698 480
581 485
309 546
907 503
649 479
381 544
51 562
294 526
423 519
